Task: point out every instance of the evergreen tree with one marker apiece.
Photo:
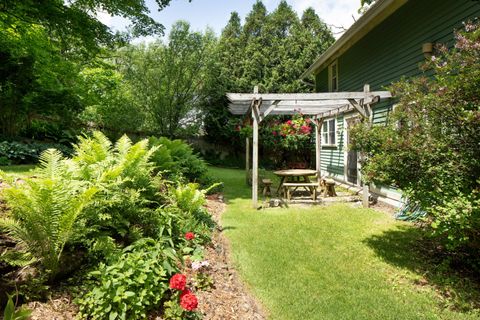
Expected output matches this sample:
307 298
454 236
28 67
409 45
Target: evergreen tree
256 48
271 51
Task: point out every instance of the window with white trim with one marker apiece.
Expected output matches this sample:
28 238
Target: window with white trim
333 77
329 132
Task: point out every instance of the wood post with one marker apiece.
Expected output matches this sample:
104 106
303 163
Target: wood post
366 186
318 146
255 151
247 160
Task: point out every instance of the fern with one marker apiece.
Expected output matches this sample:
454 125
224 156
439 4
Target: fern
43 212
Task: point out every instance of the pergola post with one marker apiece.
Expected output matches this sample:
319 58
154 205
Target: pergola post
255 150
247 160
369 116
318 146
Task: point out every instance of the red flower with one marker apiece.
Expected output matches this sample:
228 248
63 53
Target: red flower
178 282
305 129
189 236
184 292
274 133
188 301
289 122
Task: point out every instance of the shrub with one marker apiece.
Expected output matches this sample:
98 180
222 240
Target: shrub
429 148
18 152
44 212
177 159
131 284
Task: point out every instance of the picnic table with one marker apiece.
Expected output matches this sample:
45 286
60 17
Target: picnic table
297 178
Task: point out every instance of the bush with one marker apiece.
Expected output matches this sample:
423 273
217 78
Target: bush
131 284
429 148
26 153
178 160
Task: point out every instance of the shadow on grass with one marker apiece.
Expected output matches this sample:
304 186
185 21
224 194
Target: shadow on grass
406 247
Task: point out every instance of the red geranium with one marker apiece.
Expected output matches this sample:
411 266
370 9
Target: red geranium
184 292
178 282
189 236
188 301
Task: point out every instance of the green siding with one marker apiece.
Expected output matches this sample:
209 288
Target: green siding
390 51
394 48
332 157
321 81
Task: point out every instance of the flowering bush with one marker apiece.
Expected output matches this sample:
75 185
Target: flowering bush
294 134
429 148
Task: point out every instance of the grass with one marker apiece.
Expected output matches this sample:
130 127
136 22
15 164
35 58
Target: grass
334 262
19 170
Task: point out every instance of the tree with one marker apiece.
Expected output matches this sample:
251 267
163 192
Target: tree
430 146
37 83
270 50
168 79
223 77
75 24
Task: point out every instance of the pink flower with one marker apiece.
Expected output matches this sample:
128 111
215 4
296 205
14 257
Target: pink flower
305 129
289 122
274 133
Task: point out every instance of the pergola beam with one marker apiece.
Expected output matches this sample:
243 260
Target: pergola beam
308 96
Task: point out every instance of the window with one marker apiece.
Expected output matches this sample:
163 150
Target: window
329 133
333 77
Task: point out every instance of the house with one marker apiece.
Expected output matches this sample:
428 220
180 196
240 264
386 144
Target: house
390 41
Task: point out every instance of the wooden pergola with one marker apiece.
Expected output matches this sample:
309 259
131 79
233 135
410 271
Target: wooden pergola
317 105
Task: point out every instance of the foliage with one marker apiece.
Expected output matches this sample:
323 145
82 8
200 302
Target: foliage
131 284
108 100
270 50
44 214
11 314
167 80
74 25
18 152
177 160
429 148
124 206
37 81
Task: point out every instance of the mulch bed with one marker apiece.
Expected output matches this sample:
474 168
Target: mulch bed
228 299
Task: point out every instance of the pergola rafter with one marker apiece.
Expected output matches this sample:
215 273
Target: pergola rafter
318 105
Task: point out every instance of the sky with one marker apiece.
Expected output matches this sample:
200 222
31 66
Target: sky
215 13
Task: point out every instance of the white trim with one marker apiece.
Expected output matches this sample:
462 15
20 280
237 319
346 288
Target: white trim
377 13
324 144
330 76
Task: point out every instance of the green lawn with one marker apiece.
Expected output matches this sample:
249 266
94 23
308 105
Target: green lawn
332 262
19 170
